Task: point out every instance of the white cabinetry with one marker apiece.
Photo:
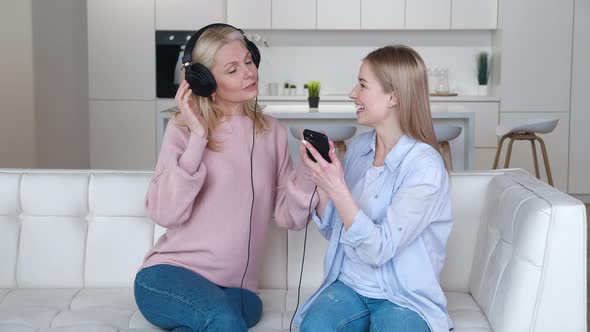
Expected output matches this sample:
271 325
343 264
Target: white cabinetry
579 175
486 121
122 73
382 14
339 14
474 14
428 14
249 14
122 135
301 14
188 15
121 50
535 56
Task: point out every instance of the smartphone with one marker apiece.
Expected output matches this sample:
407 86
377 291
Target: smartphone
320 142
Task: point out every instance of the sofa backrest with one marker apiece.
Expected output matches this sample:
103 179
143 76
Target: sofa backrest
86 228
71 229
529 265
515 240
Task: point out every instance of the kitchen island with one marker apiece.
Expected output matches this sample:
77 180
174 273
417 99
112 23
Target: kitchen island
344 114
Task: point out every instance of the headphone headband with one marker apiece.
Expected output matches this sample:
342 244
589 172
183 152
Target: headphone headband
188 49
199 78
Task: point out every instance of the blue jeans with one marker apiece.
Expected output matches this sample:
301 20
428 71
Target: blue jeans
340 308
181 300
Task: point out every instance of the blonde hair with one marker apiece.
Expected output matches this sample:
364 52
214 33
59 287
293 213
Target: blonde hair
204 53
399 69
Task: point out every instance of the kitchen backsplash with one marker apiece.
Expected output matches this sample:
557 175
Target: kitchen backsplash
334 57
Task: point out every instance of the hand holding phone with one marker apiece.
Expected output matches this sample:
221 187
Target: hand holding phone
320 142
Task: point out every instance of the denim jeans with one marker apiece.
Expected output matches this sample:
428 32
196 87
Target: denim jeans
181 300
340 308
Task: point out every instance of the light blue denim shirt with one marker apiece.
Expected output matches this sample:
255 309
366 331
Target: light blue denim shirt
355 273
406 242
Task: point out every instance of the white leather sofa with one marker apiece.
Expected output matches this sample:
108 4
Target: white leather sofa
71 242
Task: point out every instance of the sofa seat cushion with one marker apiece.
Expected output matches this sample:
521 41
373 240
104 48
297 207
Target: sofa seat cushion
463 309
113 298
53 298
27 317
99 310
466 314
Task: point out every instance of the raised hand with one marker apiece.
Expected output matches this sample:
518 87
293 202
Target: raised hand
190 111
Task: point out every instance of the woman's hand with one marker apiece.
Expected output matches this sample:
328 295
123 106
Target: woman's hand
190 111
328 176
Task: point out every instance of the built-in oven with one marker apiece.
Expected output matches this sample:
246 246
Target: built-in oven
169 50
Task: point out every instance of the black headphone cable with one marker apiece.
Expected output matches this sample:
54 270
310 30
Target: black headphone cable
302 258
251 207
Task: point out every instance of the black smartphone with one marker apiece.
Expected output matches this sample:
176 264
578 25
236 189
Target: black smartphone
320 142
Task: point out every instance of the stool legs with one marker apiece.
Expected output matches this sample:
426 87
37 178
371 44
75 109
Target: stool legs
340 147
545 160
529 137
508 153
498 150
535 158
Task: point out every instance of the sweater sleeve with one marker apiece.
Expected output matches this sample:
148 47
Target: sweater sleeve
178 178
295 188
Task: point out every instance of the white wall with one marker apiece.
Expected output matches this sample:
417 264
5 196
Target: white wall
17 113
61 83
334 57
579 180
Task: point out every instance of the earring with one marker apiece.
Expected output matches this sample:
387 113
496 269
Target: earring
213 98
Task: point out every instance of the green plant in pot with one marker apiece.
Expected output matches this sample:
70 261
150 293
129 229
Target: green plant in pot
483 73
313 90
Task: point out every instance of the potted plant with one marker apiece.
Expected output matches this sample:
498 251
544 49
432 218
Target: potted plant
483 73
313 89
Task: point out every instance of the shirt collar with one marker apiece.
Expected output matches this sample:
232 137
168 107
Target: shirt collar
396 155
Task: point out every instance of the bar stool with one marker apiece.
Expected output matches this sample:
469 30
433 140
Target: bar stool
525 130
338 134
444 134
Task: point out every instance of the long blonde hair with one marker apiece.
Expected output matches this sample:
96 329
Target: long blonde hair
204 53
399 69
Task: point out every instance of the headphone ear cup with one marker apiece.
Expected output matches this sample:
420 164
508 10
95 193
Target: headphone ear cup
200 80
253 51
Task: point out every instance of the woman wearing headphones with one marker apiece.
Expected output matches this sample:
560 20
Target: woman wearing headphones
386 210
223 170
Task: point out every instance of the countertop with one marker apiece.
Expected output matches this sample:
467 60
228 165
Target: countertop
334 111
341 98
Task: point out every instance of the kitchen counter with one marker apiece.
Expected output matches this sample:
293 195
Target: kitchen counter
345 98
298 115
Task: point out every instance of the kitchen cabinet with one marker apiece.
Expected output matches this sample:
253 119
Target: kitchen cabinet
300 14
121 54
188 15
486 119
428 14
122 134
383 14
249 14
535 70
579 176
487 115
339 14
474 14
557 143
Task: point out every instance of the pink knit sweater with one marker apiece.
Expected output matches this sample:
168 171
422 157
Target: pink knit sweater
203 198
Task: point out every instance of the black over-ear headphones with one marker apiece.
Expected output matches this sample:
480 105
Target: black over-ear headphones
199 77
